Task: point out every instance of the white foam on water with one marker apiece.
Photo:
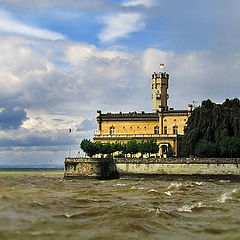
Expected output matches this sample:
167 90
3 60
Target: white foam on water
120 185
169 193
188 208
175 185
152 190
224 181
199 183
38 203
227 196
157 210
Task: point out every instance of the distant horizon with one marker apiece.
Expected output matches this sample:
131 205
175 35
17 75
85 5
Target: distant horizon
40 166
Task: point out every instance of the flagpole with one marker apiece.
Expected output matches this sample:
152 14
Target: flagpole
69 142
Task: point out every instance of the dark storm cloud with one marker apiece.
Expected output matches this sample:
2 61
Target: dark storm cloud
12 119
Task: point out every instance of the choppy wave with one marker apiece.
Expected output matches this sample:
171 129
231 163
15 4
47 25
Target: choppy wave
227 196
190 208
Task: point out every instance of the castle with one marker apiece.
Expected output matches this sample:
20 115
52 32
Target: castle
164 124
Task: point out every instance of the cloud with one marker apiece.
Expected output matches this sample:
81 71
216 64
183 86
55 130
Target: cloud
35 6
12 119
10 25
197 75
25 137
60 85
87 125
133 3
120 25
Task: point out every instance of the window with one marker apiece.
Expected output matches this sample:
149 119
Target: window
156 130
158 97
165 130
175 129
112 130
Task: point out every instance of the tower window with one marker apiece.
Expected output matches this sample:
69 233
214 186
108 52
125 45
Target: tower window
112 130
165 130
156 130
175 129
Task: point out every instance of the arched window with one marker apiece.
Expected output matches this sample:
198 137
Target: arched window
112 130
165 130
175 129
156 130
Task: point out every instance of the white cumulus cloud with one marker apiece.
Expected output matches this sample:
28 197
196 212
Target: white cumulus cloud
10 25
120 25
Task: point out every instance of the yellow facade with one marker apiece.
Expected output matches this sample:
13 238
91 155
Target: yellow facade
164 125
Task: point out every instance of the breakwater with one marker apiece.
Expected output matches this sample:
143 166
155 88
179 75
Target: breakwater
104 168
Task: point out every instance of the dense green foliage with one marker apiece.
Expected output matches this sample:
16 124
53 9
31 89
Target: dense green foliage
131 147
205 148
213 130
89 147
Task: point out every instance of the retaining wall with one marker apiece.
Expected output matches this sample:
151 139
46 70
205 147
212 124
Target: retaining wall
113 168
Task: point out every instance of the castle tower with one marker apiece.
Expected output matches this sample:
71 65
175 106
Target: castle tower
159 91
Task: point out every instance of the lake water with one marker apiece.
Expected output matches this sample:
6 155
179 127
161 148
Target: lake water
42 205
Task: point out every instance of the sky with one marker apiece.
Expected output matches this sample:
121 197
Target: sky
61 61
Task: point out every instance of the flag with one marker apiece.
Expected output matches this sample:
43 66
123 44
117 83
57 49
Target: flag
161 65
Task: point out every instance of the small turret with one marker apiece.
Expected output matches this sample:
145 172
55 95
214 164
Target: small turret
190 107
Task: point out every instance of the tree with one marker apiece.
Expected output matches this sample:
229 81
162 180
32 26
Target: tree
132 146
211 122
153 147
229 147
107 148
143 147
89 147
170 152
206 148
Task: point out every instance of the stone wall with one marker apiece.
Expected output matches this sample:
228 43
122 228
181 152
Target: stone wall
90 168
113 168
